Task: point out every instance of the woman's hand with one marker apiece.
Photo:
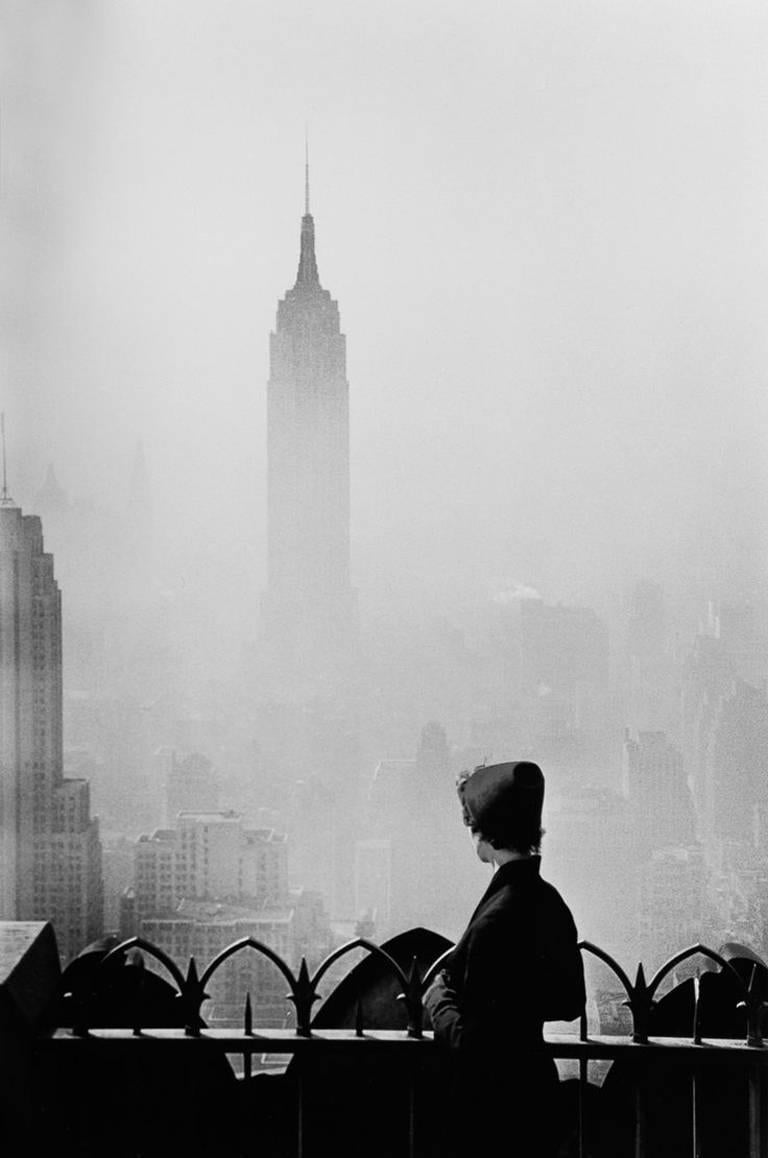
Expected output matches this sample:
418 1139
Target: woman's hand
439 988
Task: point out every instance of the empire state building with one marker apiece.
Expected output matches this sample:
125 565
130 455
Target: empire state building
308 607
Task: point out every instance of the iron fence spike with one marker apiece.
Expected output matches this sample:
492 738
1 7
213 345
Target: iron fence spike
140 987
303 996
752 987
412 999
753 1005
414 975
193 995
697 1008
640 1004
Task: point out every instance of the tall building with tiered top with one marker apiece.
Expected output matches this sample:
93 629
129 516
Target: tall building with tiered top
308 606
50 853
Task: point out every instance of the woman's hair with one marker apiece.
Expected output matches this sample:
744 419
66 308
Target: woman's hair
517 833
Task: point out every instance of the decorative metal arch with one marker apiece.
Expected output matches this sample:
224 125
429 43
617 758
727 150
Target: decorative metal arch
611 962
248 943
436 965
412 982
348 947
692 951
146 947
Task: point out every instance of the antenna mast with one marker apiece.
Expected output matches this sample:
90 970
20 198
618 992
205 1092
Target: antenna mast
5 498
306 171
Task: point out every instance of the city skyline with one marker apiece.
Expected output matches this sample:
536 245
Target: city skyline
542 486
556 345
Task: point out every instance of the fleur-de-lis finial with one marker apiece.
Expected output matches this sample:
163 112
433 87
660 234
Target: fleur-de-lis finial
193 995
303 998
641 1005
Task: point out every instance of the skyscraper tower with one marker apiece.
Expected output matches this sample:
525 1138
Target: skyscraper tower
50 853
308 606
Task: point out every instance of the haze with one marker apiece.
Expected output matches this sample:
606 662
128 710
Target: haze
545 227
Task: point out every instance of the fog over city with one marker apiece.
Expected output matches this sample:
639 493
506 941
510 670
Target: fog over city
545 228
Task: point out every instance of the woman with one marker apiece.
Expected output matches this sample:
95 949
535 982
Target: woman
516 966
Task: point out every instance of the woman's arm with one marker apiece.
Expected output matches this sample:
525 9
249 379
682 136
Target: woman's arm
472 1017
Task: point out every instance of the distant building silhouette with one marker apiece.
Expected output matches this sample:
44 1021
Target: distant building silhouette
51 498
735 787
308 604
651 672
647 626
657 789
191 785
412 832
672 906
591 847
562 647
50 853
373 882
208 856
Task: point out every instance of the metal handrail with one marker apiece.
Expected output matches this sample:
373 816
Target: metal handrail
639 1049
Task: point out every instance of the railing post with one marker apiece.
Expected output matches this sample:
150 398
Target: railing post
247 1032
696 1038
695 1112
583 1083
411 1112
641 1114
412 998
138 998
753 1005
300 1116
758 1117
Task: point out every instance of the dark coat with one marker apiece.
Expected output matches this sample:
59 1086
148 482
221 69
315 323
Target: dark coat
516 966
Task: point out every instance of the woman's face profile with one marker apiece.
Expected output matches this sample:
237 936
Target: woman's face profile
483 849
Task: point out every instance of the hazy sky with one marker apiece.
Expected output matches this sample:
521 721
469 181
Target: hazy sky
544 222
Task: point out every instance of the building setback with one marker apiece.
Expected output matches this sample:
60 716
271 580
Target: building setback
211 881
50 853
208 856
308 607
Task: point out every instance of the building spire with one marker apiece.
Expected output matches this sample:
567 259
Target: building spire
5 498
307 276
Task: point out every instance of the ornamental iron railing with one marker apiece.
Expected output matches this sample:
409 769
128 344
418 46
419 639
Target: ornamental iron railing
643 1056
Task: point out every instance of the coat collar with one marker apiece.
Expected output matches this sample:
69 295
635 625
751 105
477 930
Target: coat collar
514 872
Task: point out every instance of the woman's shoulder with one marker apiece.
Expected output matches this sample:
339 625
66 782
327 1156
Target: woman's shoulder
504 904
510 900
552 897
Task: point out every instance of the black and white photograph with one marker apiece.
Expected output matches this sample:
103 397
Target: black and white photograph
384 578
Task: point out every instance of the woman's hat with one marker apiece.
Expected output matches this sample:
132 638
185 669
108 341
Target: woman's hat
495 791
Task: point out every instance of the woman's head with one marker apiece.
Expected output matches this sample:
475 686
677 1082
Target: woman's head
502 803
